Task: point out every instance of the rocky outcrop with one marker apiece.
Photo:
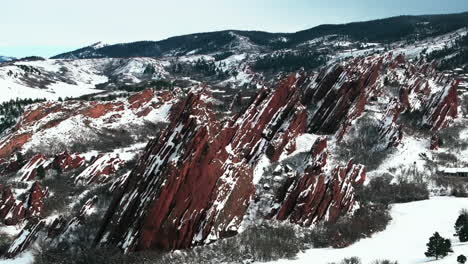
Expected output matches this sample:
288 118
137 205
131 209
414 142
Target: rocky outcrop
13 211
340 93
390 131
195 183
66 161
29 171
164 199
316 193
44 124
35 202
26 237
100 171
200 178
435 143
56 230
442 107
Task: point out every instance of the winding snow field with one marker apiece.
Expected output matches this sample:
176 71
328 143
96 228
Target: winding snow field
404 239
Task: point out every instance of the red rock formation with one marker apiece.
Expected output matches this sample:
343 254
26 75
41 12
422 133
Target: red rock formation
315 195
13 143
140 99
175 169
35 203
100 109
101 169
434 142
12 211
26 237
196 181
43 117
390 132
29 171
66 161
341 93
443 107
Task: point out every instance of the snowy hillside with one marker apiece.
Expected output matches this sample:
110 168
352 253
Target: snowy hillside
405 238
53 79
238 147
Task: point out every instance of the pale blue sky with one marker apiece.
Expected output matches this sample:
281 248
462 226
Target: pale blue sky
48 27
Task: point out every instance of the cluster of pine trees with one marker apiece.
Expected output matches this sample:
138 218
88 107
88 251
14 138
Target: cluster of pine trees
439 246
459 48
290 61
10 111
202 66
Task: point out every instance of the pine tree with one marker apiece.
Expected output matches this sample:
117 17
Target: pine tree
20 159
438 246
41 172
461 226
463 233
461 259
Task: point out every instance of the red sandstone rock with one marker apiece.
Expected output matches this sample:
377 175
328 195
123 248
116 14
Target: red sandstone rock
13 143
315 195
35 203
140 99
195 183
434 142
66 161
443 107
29 171
100 170
43 117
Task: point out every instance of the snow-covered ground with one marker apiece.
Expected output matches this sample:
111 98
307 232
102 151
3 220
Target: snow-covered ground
25 258
52 79
404 239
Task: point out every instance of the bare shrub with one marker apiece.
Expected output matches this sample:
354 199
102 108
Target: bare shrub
450 138
364 145
384 261
381 190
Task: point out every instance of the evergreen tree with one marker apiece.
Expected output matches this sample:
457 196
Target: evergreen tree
438 246
41 172
56 166
20 159
463 233
461 259
461 226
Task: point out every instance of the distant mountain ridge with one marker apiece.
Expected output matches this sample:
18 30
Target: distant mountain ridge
5 58
382 30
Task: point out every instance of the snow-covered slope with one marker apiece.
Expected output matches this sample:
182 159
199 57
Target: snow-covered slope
404 239
52 79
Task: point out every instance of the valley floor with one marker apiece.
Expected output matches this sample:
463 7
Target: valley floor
404 239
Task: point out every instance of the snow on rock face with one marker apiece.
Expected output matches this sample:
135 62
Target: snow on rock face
341 94
66 161
27 236
195 183
55 229
390 131
165 196
35 202
101 169
443 107
317 193
12 211
47 123
29 171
